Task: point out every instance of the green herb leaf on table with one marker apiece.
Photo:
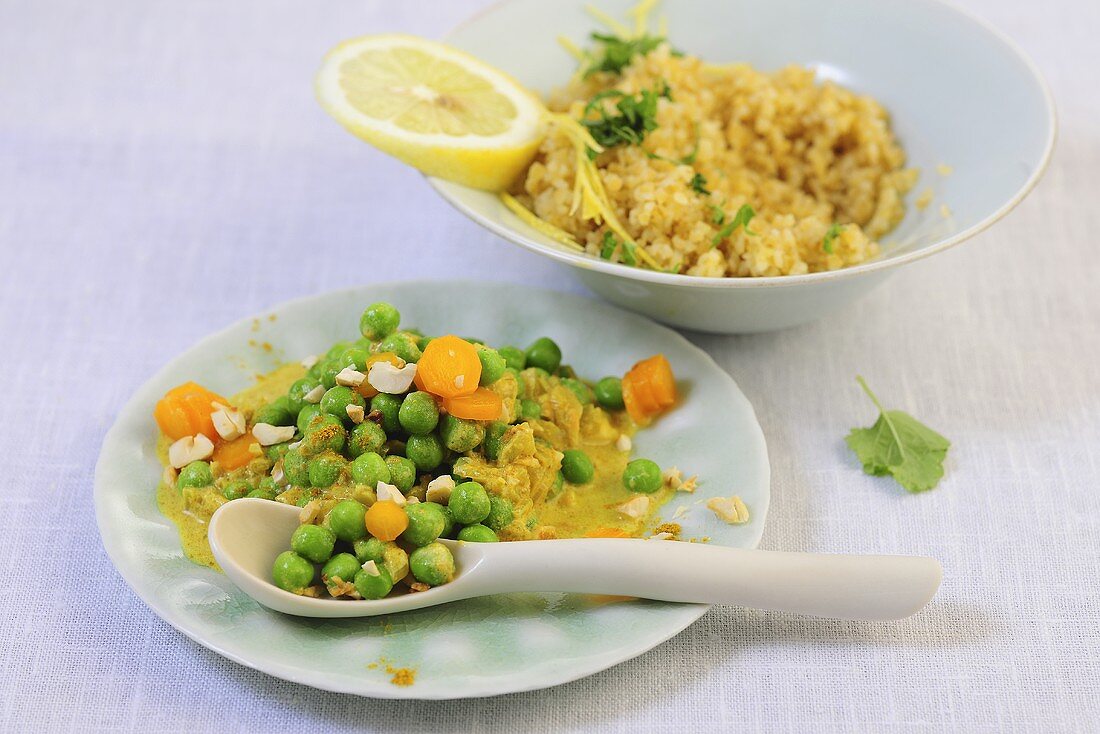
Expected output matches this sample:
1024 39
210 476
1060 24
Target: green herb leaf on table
698 184
901 446
830 237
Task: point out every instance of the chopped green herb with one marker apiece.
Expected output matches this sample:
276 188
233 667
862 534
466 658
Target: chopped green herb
628 255
610 242
698 184
830 237
613 54
637 115
741 219
717 215
901 446
689 159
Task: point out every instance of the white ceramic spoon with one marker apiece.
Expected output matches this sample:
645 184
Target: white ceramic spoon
246 535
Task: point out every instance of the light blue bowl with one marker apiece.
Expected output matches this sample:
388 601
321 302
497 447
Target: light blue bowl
959 92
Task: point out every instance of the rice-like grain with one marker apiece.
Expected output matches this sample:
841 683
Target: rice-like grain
804 155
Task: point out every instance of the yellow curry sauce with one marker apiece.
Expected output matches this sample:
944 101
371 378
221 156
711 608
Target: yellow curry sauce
524 472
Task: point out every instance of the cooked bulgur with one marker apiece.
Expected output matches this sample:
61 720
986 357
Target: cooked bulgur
803 155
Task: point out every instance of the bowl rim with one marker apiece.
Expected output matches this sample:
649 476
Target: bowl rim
588 262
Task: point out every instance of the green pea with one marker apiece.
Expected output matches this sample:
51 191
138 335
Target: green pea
355 357
423 342
276 413
268 484
477 534
261 493
642 475
295 468
566 371
576 467
313 542
403 345
494 435
324 470
578 388
295 395
418 414
306 416
609 393
326 432
379 321
336 349
236 489
369 549
544 353
469 503
341 568
370 469
367 437
402 472
448 522
492 365
500 514
195 474
336 400
461 435
389 406
432 564
347 520
529 409
291 572
513 357
276 451
425 452
374 586
329 369
426 523
559 483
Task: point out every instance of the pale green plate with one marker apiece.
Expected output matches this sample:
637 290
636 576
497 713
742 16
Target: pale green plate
472 648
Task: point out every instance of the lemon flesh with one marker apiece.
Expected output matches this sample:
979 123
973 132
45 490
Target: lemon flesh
436 108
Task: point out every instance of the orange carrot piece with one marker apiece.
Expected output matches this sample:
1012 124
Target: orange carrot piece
607 533
649 388
449 367
481 405
385 520
234 454
185 411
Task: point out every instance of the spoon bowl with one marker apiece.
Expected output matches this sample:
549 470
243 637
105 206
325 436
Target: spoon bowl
247 534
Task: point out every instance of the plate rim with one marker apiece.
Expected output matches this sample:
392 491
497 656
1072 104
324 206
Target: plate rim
114 439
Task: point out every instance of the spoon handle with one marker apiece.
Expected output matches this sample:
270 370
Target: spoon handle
816 584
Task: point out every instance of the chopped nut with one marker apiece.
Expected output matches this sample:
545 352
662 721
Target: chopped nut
371 568
729 509
169 475
269 435
418 586
349 377
389 492
384 377
439 489
355 412
624 443
636 507
338 587
278 475
672 477
314 396
661 536
310 361
309 512
229 423
689 485
680 512
188 449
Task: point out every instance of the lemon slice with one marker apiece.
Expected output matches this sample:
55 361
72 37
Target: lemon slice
436 108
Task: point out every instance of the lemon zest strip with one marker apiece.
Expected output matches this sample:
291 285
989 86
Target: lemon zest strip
539 225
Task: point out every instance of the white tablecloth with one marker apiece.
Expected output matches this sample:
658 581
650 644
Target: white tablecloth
165 170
